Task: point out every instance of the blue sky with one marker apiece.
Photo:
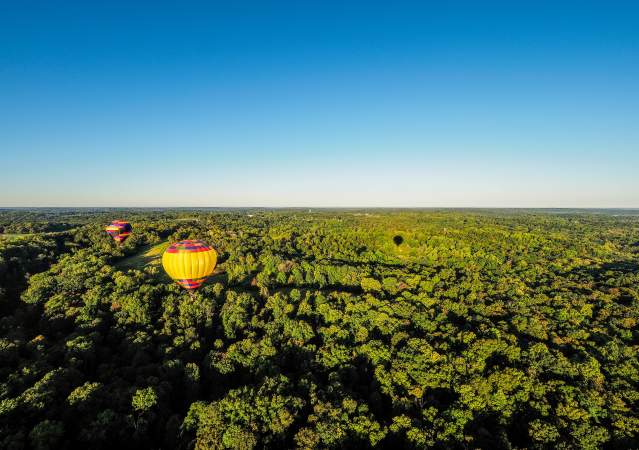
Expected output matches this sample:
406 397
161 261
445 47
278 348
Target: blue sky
319 104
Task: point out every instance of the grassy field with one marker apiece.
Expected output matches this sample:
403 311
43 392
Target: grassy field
14 236
150 255
8 236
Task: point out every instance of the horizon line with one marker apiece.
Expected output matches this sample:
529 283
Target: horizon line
320 207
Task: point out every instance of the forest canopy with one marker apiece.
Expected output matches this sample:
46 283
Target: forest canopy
321 329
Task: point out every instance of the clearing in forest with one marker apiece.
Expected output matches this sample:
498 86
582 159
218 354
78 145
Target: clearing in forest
149 255
8 236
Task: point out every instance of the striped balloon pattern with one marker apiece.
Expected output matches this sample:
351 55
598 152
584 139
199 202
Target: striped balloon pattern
189 263
119 230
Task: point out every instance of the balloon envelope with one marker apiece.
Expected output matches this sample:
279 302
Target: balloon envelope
119 230
189 263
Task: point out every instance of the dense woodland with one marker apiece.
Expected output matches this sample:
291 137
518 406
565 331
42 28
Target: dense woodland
321 329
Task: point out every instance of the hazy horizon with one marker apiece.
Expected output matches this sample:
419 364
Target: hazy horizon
491 105
322 208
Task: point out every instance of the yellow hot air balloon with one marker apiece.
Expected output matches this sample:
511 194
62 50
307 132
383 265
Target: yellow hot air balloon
189 263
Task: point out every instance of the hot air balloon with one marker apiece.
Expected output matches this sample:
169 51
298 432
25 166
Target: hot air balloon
119 230
189 263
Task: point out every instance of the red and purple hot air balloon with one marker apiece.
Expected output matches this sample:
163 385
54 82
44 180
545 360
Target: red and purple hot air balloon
119 230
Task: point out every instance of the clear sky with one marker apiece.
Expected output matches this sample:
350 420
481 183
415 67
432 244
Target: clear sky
319 103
